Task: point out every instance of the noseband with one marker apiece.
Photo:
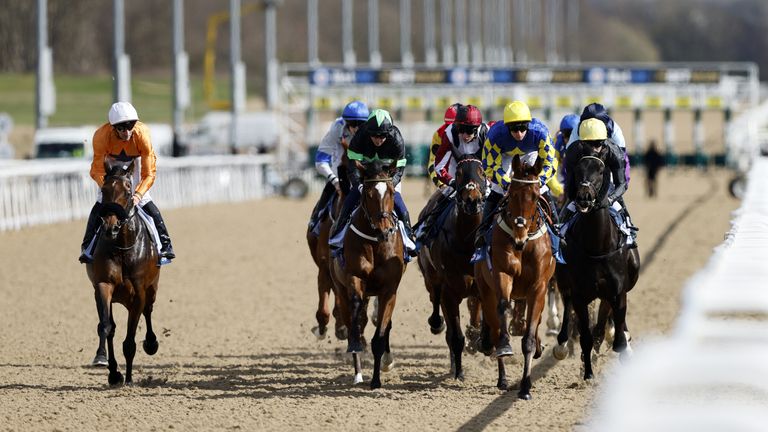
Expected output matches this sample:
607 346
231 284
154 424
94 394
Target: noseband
123 214
381 235
470 186
589 185
519 221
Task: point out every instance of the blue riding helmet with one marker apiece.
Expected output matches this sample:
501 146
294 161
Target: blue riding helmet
355 110
569 122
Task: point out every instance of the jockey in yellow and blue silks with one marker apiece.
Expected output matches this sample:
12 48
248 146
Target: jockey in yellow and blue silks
378 138
519 134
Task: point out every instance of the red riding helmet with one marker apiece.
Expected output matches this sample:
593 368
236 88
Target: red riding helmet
469 115
450 113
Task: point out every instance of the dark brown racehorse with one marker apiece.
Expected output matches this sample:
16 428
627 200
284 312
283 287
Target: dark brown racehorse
521 257
318 247
124 270
372 265
445 262
599 264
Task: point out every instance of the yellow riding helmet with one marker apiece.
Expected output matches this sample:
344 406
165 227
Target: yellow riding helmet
593 130
516 112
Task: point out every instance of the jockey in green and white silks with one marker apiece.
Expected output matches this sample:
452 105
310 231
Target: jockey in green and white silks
378 139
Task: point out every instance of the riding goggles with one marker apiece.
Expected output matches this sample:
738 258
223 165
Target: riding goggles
355 123
517 127
126 126
466 129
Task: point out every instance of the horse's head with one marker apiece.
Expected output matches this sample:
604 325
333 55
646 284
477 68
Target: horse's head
116 192
522 197
470 184
378 196
589 176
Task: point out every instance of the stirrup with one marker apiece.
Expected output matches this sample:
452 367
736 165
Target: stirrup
85 259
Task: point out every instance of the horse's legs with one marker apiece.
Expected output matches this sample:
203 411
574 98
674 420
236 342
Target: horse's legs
531 345
585 336
102 329
501 383
358 368
490 324
598 332
150 344
107 330
115 377
323 314
553 318
129 344
435 321
380 340
473 328
517 320
620 343
354 342
560 352
453 335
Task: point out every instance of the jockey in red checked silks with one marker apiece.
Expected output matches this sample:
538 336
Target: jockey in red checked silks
378 139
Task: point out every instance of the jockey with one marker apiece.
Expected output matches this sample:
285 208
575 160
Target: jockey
567 124
519 134
598 111
125 138
437 139
465 136
593 135
328 160
379 138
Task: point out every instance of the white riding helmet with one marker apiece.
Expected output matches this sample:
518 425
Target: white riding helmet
122 112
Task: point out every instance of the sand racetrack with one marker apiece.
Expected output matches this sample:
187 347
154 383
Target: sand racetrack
234 314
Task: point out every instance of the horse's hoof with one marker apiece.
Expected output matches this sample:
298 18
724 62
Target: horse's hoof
375 384
358 379
560 352
387 362
319 334
524 395
150 347
502 385
459 376
504 351
588 376
342 333
100 361
471 347
552 332
115 379
436 326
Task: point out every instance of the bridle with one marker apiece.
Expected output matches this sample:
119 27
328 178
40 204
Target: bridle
123 214
470 186
520 221
588 184
380 235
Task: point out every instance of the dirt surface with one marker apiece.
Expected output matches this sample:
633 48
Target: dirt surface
234 314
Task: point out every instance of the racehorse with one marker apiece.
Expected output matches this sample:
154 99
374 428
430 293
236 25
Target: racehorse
372 264
522 264
124 269
318 247
445 262
599 264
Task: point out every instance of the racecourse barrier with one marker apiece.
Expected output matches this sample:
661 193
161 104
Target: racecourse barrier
47 191
711 374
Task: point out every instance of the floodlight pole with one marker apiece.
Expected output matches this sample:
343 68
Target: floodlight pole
122 63
181 97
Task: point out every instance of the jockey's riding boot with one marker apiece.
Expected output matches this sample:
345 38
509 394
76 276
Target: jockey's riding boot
166 250
90 232
553 206
350 202
321 203
566 214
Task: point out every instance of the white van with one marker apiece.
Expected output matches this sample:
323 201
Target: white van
63 142
75 142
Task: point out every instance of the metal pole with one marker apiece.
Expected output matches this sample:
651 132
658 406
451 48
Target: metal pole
406 55
373 33
552 29
502 22
41 119
430 53
270 32
347 33
521 31
446 31
460 20
122 67
573 30
237 71
180 76
312 32
475 34
488 30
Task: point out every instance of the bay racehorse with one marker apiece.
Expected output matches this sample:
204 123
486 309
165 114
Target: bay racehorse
372 264
521 266
599 264
124 270
320 250
445 262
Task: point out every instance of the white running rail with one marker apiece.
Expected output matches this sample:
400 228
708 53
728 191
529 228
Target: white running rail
48 191
712 373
